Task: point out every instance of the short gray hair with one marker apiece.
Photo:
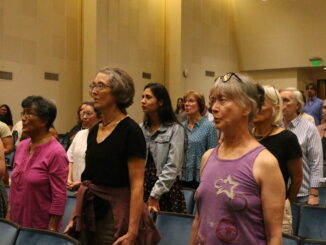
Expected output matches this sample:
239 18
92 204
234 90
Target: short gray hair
122 86
246 92
274 97
297 96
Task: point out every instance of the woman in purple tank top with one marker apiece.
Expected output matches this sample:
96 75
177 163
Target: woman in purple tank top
241 194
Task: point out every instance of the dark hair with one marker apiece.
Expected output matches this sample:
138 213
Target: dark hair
303 97
45 109
183 106
8 117
314 87
122 86
165 111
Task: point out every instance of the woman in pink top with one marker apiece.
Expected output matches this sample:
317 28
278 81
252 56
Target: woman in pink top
37 195
241 194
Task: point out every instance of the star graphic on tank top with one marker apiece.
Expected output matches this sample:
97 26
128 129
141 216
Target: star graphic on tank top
226 186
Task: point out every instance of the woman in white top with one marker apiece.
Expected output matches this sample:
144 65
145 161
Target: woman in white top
76 152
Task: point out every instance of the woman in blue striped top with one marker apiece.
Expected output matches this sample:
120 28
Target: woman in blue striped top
202 136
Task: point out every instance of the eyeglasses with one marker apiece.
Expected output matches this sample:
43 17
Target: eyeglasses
97 87
86 114
27 115
228 76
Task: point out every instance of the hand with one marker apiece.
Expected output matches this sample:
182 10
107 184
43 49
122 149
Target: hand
69 182
153 204
68 227
8 216
73 186
313 200
127 239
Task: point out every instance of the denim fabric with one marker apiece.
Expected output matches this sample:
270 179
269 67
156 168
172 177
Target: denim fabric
167 146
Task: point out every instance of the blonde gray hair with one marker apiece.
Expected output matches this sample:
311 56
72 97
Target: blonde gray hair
275 98
297 96
122 86
244 90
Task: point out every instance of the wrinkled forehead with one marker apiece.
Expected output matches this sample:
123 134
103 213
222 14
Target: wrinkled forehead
287 95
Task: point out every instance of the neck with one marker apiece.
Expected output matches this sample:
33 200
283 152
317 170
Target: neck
41 137
194 118
287 120
263 128
236 138
311 98
154 119
111 114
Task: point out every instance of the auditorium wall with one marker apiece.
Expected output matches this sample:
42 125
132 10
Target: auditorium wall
37 37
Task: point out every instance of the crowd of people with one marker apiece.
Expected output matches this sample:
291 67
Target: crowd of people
249 154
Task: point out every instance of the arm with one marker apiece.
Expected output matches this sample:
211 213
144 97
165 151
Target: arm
268 176
69 180
194 231
294 168
136 171
70 155
58 172
173 165
315 163
8 144
195 224
2 161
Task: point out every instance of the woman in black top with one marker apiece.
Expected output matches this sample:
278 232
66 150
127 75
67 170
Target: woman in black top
282 143
115 160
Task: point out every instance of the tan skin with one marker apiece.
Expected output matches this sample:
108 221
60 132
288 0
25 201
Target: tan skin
105 102
290 112
228 115
37 130
2 161
324 115
192 111
150 106
8 144
263 127
88 115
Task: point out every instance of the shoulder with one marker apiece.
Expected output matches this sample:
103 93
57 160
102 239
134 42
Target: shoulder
55 147
5 130
205 158
177 127
130 127
23 144
288 135
82 133
319 100
207 124
265 161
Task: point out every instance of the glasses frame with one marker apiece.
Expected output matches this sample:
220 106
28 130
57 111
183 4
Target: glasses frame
27 115
97 87
225 78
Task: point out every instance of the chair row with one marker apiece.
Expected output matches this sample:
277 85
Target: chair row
309 222
12 234
174 228
294 240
